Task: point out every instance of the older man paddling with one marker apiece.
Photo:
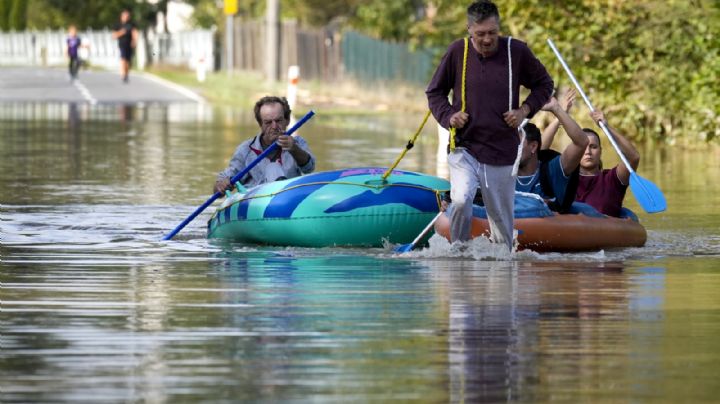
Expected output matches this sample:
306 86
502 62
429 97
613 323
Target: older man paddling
485 72
292 159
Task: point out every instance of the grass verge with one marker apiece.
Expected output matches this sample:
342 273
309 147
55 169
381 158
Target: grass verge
242 88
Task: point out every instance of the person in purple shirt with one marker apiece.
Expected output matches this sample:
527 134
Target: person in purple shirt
73 44
604 189
484 116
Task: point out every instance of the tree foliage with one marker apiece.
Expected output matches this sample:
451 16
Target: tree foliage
388 19
207 14
319 12
17 19
5 6
89 14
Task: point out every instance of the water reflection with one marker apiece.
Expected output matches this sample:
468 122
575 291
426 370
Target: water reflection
73 119
304 319
38 112
514 327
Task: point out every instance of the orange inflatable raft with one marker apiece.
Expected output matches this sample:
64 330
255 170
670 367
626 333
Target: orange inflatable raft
539 229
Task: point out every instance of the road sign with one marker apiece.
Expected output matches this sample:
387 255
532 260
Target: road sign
231 7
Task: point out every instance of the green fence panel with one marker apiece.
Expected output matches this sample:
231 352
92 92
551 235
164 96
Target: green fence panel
371 60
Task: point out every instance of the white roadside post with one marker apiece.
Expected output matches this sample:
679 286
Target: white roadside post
230 8
200 67
293 79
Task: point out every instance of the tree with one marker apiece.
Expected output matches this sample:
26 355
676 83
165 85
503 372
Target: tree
18 15
388 19
5 6
206 14
318 12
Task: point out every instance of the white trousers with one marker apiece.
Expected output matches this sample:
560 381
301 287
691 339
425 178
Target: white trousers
497 185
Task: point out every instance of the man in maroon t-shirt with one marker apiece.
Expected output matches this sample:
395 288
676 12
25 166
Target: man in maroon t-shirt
485 116
605 189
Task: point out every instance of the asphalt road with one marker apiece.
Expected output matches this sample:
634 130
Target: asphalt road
37 84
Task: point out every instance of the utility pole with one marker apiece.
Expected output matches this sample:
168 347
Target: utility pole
272 44
230 8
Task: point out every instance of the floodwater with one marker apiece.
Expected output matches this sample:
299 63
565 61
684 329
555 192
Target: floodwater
95 308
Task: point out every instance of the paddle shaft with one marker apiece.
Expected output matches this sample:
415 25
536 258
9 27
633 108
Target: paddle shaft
589 104
426 229
237 177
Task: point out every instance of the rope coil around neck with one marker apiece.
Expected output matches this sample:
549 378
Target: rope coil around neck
462 93
521 128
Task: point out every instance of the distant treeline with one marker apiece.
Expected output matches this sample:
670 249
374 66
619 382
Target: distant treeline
653 65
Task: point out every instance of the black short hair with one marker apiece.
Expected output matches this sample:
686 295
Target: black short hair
592 133
270 99
532 133
482 10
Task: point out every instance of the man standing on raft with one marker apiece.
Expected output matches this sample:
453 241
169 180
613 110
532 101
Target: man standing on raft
485 72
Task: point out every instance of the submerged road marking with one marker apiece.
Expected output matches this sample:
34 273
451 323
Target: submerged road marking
178 88
85 92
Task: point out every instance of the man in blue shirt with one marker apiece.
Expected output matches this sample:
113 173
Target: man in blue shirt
548 173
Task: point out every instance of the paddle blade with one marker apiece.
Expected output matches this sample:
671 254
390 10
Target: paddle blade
648 195
408 247
404 248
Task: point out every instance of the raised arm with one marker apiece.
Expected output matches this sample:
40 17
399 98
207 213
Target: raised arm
548 134
626 147
119 32
571 156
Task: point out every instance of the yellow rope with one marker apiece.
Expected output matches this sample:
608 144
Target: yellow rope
409 146
462 93
411 142
269 195
437 192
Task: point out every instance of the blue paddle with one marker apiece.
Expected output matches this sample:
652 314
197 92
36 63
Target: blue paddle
237 177
647 194
408 247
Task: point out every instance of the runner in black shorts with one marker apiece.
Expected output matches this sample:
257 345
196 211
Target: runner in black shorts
127 35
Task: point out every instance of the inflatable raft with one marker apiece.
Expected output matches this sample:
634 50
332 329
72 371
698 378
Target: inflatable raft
539 229
353 207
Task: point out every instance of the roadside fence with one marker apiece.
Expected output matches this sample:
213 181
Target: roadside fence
47 48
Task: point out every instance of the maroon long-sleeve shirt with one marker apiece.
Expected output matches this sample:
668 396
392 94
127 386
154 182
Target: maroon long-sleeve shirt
486 135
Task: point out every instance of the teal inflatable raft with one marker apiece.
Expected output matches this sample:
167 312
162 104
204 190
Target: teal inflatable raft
353 207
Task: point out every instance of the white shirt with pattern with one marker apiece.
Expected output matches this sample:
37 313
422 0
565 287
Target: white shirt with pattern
266 170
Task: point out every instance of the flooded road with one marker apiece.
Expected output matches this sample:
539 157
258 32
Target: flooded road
95 307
